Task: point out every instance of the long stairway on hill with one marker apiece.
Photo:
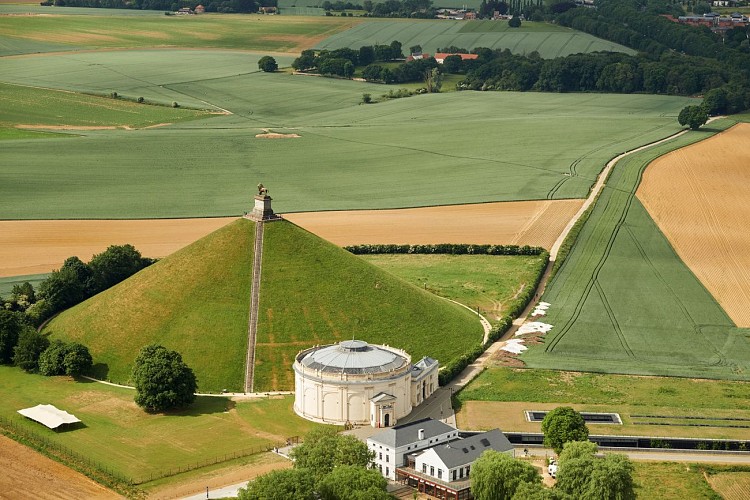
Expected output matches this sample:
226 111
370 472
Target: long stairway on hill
252 325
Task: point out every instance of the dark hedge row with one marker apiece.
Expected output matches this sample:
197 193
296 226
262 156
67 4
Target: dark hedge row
447 248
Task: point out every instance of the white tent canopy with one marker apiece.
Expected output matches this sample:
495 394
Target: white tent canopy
49 416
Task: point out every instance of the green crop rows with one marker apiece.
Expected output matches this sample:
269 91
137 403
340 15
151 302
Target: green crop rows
549 40
624 301
529 146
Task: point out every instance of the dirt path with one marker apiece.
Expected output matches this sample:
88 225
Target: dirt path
27 474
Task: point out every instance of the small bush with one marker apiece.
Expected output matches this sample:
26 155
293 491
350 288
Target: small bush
366 98
114 95
175 105
141 100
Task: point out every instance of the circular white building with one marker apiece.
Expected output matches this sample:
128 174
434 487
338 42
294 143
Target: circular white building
354 382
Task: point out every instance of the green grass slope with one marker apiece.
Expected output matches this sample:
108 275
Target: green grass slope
195 301
624 302
313 292
548 40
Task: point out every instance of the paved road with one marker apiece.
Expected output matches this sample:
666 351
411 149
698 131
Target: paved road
687 456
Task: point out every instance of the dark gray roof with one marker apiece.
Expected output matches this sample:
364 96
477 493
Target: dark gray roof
464 451
422 365
354 357
401 435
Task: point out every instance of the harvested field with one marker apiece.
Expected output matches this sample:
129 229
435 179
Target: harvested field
31 247
536 223
698 197
27 474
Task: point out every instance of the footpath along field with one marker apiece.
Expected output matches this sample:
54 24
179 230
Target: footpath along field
624 302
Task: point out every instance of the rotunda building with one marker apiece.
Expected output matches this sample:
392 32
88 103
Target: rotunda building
354 382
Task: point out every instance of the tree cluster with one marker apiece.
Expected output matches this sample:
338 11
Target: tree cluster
327 466
22 345
583 475
162 380
498 476
74 282
341 62
417 9
413 71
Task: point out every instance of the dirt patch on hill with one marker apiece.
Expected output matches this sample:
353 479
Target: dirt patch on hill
698 197
272 135
31 247
28 474
536 223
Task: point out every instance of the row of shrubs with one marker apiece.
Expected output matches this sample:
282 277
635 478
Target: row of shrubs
447 248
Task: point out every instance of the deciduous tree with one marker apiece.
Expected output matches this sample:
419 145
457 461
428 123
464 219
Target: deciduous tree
10 328
31 344
267 64
324 449
561 425
162 380
289 484
496 476
693 116
351 482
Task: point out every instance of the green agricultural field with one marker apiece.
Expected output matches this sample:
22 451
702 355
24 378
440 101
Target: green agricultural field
123 28
491 283
34 107
7 283
348 156
457 4
314 293
624 302
548 40
196 301
119 436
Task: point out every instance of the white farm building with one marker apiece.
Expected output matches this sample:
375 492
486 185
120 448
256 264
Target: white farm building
354 382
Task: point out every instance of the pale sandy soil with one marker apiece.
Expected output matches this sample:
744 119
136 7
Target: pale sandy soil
28 475
698 197
536 223
33 247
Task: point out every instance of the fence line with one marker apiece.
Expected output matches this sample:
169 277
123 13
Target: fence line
43 443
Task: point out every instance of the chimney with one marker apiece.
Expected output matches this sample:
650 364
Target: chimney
420 434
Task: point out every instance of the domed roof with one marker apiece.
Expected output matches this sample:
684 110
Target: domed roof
354 357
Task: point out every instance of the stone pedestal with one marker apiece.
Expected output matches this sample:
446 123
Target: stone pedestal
262 210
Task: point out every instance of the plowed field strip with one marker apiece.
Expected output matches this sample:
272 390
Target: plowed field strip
698 197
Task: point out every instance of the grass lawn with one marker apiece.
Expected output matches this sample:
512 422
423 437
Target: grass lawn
624 302
671 481
491 283
124 28
548 40
27 106
314 293
119 436
195 301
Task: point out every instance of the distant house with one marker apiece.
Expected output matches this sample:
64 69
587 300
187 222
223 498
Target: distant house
185 11
269 10
200 9
440 56
415 56
724 3
444 470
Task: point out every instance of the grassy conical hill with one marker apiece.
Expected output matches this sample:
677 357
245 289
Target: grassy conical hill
196 301
313 292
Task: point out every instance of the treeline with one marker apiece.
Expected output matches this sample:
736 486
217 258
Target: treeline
224 6
416 9
672 74
341 62
446 248
74 282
